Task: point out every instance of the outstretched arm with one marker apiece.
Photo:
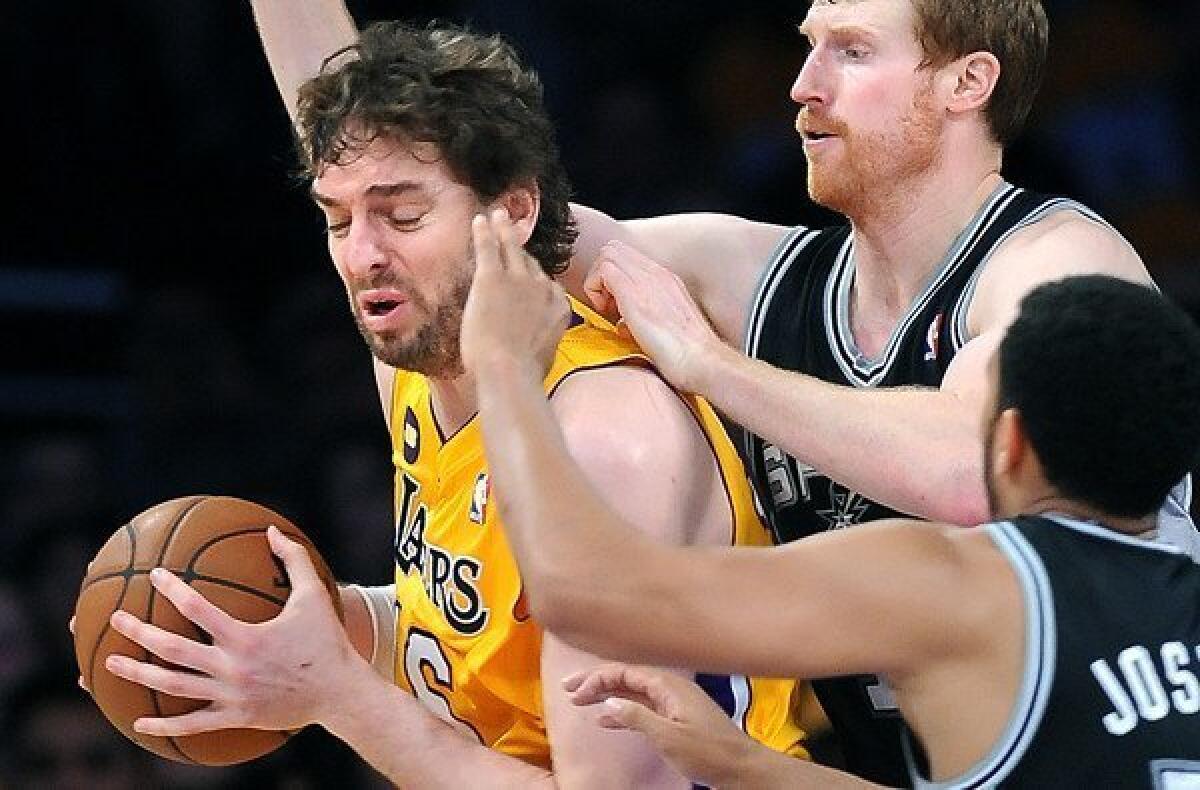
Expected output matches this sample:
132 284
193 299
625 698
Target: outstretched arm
915 450
298 36
719 257
874 620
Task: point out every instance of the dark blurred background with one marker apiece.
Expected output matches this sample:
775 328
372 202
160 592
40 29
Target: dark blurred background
171 323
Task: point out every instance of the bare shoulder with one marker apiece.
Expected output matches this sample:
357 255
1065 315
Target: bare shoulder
624 409
643 451
1063 244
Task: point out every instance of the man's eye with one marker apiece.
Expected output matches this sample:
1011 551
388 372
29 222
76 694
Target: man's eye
404 221
338 229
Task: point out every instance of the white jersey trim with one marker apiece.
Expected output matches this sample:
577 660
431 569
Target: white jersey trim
1037 678
858 368
778 265
960 333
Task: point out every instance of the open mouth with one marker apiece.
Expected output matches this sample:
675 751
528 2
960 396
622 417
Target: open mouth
380 302
381 307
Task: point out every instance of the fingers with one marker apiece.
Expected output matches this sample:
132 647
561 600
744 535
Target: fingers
598 294
613 282
488 258
192 605
515 256
625 714
169 681
170 647
203 720
296 560
597 684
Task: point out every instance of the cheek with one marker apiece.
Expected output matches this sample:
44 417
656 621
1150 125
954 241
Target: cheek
881 98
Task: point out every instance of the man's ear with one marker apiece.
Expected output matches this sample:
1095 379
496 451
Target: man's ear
1010 444
972 81
522 204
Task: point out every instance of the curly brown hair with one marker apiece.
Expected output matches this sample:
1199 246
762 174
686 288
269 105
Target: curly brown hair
467 93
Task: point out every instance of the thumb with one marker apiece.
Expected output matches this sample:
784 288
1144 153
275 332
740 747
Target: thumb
295 559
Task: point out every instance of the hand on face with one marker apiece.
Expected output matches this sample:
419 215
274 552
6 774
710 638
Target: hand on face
282 674
681 721
515 314
656 309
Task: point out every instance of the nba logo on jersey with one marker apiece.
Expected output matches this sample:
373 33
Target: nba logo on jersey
412 436
931 338
479 498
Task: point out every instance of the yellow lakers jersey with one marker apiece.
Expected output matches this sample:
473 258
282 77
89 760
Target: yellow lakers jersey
465 644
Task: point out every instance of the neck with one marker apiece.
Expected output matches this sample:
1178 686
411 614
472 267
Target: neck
1144 526
454 402
900 239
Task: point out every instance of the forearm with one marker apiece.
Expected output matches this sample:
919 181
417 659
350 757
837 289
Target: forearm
914 450
298 36
760 768
411 747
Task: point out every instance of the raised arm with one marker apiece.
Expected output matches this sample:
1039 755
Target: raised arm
298 36
916 450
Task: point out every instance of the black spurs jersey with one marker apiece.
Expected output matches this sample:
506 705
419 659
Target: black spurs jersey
1110 694
799 320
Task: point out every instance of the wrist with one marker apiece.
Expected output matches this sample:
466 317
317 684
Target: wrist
353 681
750 764
709 367
508 365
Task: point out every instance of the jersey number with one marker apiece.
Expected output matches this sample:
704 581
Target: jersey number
431 678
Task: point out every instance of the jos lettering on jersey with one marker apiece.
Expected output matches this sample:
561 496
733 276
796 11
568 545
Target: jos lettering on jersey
1140 692
790 481
451 582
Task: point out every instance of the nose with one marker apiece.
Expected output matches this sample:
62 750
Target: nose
362 252
809 87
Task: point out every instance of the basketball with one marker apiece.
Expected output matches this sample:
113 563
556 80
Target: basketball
216 544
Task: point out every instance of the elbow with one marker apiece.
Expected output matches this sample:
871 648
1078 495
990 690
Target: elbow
553 600
953 494
964 496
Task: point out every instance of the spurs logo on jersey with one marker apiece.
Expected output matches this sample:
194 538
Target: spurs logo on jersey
451 582
790 481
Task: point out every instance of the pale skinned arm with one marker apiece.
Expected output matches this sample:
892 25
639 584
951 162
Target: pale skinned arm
719 257
693 734
922 445
298 36
888 621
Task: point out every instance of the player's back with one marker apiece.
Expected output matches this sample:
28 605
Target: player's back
466 645
1110 695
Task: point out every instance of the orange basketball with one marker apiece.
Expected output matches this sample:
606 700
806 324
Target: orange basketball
219 546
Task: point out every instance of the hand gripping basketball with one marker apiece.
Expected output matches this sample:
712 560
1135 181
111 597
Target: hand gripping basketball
204 646
276 675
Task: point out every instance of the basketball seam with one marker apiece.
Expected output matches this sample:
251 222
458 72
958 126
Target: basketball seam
166 544
199 577
120 599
